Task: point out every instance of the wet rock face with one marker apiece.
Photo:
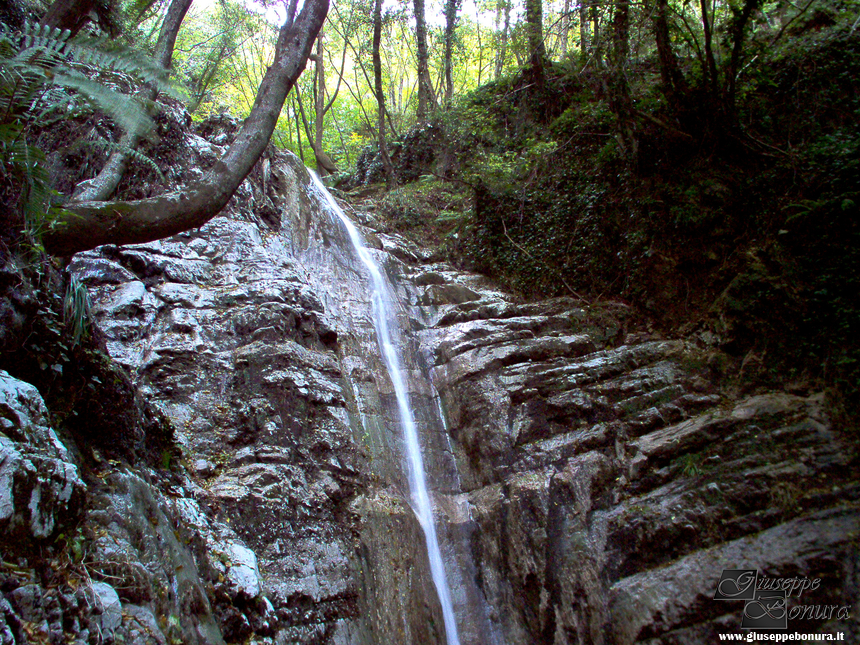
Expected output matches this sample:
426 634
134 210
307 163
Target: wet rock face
602 482
253 336
40 488
611 484
227 339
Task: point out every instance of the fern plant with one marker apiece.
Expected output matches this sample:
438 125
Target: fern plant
111 146
47 76
44 75
26 183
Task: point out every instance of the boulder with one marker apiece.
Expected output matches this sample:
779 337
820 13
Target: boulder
40 488
108 604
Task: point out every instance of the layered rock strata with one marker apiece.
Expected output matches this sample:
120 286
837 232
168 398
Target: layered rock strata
592 483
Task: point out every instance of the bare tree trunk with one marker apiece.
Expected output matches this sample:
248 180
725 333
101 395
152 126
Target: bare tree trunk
289 123
584 31
425 85
380 94
534 31
69 14
169 31
105 183
670 72
711 74
451 9
297 98
619 90
738 29
565 28
319 95
92 224
325 165
291 12
504 5
596 45
298 125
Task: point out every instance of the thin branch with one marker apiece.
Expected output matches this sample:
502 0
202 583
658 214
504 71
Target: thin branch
201 43
796 16
662 124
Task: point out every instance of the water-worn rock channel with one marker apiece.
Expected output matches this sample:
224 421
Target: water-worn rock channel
590 485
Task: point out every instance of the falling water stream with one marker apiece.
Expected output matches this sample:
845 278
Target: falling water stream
385 324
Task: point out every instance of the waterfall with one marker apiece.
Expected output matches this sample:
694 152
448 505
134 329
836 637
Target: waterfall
385 324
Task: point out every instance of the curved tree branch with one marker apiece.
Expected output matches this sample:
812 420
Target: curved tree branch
91 224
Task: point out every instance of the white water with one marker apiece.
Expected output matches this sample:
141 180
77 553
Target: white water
383 318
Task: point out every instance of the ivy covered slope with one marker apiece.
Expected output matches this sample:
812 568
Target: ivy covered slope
738 224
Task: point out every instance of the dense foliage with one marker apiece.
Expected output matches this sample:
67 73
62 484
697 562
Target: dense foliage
746 227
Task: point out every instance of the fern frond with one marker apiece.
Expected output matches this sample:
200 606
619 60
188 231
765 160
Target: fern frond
104 54
18 85
124 110
56 104
42 46
37 56
110 147
23 166
28 162
43 36
46 75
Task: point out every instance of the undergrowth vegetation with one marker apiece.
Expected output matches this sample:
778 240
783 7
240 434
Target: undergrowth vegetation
744 227
48 79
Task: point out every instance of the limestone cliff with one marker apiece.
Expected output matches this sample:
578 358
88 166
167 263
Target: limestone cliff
592 483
